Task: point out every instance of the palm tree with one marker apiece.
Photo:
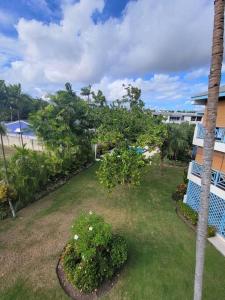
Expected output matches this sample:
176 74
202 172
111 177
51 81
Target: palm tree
2 133
86 91
99 98
209 141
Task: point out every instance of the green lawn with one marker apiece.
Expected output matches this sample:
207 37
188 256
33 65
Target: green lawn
161 247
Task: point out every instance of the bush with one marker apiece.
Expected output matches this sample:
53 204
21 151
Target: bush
192 216
94 254
180 192
6 193
211 231
122 166
188 212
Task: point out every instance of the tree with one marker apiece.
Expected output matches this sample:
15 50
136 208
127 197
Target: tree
122 166
132 97
9 99
3 132
69 89
86 91
209 141
99 98
63 127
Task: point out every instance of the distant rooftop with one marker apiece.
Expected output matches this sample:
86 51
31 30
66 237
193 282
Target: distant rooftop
204 96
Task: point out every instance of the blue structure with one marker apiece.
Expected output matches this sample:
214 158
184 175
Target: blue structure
216 206
14 128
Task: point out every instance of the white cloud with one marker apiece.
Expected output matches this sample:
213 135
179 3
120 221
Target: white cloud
156 91
198 73
152 36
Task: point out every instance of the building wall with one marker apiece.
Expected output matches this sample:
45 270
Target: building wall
216 206
218 159
220 121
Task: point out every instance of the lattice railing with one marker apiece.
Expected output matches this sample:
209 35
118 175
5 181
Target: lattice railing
217 178
216 206
219 133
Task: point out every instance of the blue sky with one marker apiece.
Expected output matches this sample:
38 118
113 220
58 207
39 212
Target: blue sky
162 47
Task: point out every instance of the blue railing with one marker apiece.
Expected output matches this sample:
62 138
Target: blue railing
217 178
219 133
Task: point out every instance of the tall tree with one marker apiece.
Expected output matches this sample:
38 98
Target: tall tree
3 132
86 91
99 98
209 141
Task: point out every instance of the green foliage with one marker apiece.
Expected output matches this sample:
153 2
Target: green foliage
94 254
12 99
99 98
63 127
188 212
180 192
177 143
29 172
192 216
211 230
90 232
6 192
122 166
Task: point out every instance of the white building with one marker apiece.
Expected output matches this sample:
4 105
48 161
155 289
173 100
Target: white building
180 117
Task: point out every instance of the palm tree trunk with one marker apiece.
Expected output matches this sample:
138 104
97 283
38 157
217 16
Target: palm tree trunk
7 176
209 141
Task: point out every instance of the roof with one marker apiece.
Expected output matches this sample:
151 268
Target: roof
14 128
204 96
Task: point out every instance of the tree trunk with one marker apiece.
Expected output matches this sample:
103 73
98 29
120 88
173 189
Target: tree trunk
21 134
209 141
7 177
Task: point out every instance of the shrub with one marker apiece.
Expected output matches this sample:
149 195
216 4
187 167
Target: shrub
188 212
6 193
192 216
180 192
211 231
94 254
122 166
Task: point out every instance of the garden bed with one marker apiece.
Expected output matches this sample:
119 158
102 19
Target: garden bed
190 217
75 293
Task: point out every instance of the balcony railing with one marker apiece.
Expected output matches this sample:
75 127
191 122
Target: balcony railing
217 178
219 133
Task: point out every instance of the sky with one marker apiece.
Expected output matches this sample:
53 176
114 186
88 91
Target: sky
162 47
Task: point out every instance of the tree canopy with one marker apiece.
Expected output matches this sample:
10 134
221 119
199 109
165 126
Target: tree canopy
12 100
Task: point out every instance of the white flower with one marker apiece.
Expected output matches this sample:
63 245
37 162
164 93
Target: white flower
76 237
90 212
90 228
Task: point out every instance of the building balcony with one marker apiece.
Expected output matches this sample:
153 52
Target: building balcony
216 198
199 135
217 178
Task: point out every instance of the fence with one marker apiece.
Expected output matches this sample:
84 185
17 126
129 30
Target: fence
30 142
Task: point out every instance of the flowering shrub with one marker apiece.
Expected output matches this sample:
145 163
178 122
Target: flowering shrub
180 192
6 193
94 253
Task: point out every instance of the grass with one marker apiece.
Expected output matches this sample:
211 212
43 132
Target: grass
161 247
